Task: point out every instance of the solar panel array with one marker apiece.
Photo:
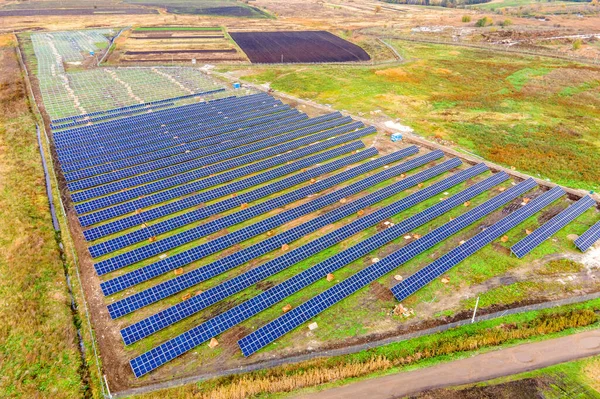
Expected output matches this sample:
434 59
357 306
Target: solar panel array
191 151
188 171
239 313
158 247
151 188
221 265
550 228
292 319
177 312
434 270
587 239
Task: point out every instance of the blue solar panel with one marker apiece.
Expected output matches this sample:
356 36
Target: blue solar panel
117 137
587 239
223 242
230 287
123 141
137 145
193 167
221 265
156 248
552 227
194 199
190 143
182 220
152 120
273 330
142 164
211 328
76 117
474 244
180 137
148 120
159 115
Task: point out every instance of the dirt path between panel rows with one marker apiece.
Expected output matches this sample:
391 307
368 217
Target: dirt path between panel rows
486 366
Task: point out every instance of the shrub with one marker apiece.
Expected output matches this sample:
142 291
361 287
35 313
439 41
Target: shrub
466 18
485 21
577 44
505 23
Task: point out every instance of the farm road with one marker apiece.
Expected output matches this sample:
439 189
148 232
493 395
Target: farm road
474 369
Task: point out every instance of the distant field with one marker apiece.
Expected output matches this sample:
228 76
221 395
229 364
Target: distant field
175 28
182 44
222 8
541 116
297 47
71 7
498 4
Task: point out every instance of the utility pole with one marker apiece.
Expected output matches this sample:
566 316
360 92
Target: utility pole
475 311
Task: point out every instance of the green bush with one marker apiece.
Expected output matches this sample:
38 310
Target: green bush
466 18
485 21
577 44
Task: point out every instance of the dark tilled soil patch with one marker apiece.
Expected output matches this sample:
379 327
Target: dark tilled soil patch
550 213
381 291
523 389
297 47
159 52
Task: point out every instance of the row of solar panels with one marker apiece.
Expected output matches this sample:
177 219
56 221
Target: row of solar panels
148 108
108 147
137 123
187 308
135 106
145 130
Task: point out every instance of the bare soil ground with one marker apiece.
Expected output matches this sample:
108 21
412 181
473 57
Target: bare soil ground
174 46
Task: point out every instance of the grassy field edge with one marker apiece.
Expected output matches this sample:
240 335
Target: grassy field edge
82 321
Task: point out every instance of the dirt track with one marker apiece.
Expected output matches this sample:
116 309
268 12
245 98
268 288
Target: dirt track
478 368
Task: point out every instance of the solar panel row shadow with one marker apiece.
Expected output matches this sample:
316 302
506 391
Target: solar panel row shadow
292 319
184 309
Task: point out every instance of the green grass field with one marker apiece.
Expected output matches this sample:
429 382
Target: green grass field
38 342
539 115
